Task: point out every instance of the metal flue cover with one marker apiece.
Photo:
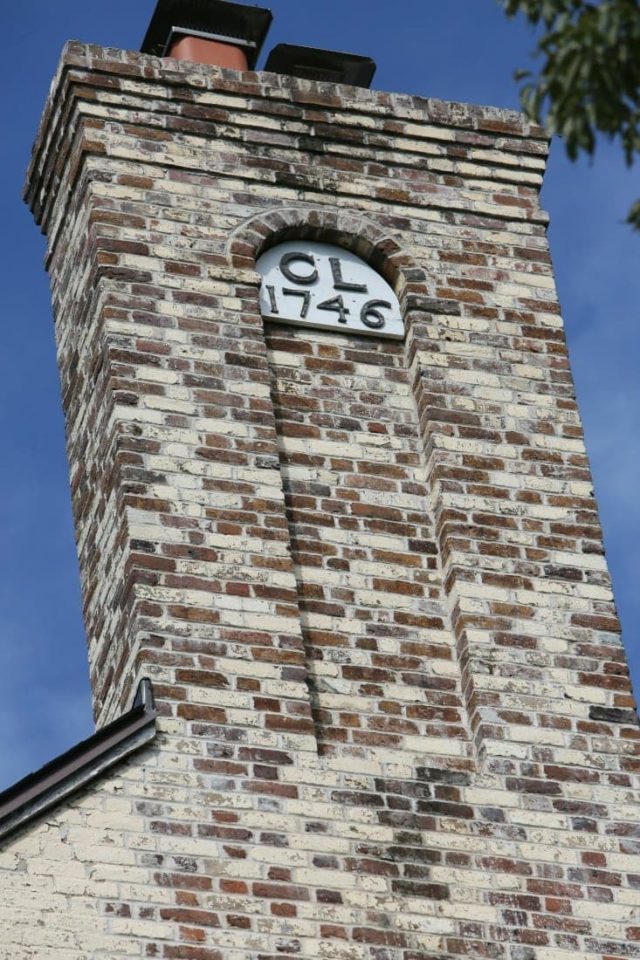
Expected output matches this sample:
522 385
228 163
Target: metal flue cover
311 63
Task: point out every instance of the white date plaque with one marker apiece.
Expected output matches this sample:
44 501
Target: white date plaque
318 285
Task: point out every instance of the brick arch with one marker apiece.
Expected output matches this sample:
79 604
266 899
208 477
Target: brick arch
343 228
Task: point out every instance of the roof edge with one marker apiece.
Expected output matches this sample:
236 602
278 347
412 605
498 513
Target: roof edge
79 766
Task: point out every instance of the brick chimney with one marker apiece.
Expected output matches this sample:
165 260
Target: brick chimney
365 575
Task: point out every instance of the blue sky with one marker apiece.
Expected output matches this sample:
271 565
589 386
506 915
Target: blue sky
457 50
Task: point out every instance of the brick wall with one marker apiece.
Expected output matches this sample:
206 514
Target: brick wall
379 649
366 578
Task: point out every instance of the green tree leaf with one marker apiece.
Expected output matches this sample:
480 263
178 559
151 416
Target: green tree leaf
589 79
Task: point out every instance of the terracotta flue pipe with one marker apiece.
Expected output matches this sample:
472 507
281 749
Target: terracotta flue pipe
212 52
218 33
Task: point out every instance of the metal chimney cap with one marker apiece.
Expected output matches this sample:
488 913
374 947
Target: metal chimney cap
234 23
311 63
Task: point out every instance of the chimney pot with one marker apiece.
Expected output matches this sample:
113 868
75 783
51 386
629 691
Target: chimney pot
216 32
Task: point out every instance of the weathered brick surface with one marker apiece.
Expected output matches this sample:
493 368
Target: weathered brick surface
366 577
379 648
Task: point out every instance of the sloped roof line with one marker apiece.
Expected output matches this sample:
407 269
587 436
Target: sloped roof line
79 766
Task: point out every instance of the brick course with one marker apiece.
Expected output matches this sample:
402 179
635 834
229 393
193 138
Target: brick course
366 577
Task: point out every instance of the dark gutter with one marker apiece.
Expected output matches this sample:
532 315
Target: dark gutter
76 768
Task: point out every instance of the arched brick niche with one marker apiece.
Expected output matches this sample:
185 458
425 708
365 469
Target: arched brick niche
345 229
361 507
